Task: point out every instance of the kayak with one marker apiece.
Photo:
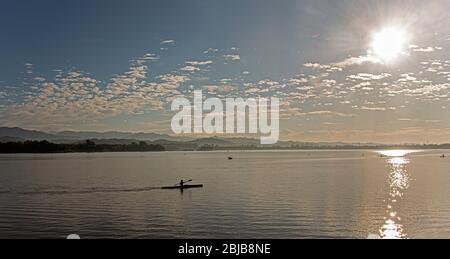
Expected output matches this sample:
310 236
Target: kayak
182 187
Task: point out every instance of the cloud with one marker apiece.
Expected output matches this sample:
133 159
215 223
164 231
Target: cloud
199 63
364 86
190 69
418 120
354 61
210 50
214 89
39 79
193 66
75 97
328 68
339 66
71 97
150 57
297 81
232 57
427 49
316 66
327 113
407 78
168 42
369 77
174 80
377 109
29 68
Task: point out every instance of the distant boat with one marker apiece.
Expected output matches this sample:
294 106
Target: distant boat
443 156
230 158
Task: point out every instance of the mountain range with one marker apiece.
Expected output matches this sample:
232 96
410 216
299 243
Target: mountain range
114 137
16 134
7 133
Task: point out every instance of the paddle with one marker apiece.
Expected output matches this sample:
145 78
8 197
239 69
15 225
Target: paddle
184 182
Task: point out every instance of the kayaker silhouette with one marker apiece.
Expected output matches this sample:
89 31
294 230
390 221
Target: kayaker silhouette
183 185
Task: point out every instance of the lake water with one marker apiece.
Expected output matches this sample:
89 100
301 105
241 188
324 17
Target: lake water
279 194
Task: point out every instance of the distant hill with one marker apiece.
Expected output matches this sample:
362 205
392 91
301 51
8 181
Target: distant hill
74 135
214 141
68 135
19 134
25 134
154 136
105 141
116 137
177 142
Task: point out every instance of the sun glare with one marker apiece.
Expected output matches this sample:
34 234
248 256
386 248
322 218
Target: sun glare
396 153
389 43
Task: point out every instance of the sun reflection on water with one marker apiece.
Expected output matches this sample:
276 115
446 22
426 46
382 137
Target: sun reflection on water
399 181
396 153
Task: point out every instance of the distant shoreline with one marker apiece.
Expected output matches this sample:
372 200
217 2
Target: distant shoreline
45 147
18 140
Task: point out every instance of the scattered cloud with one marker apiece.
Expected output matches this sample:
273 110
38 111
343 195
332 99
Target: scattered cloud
150 57
232 57
75 97
407 78
218 89
341 65
210 50
427 49
355 61
316 66
349 89
369 77
377 109
199 63
168 42
190 69
328 113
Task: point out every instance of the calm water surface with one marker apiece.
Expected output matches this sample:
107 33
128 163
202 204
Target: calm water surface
301 194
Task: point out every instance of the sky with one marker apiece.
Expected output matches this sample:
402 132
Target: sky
349 70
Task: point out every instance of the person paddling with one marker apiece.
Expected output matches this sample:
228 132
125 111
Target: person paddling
183 185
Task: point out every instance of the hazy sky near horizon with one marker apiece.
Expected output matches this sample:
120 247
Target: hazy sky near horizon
116 65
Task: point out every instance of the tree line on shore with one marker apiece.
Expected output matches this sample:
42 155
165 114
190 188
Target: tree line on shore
85 147
89 146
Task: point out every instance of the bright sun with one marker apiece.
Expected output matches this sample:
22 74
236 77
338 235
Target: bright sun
389 43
